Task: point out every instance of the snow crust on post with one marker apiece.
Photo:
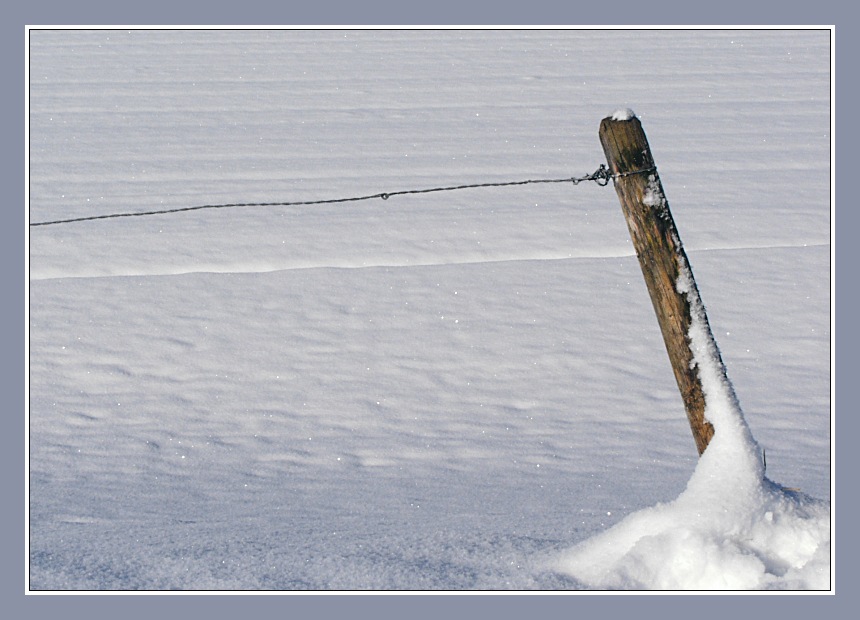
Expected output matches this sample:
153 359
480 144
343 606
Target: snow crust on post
623 114
722 409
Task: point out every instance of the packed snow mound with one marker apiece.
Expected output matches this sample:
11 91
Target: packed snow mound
713 537
731 528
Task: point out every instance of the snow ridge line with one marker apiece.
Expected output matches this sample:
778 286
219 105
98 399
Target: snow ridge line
601 176
346 264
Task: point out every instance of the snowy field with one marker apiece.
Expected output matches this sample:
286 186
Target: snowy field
456 390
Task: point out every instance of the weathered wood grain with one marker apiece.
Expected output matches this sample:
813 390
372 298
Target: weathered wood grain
661 256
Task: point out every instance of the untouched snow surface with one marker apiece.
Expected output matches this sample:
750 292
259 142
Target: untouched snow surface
461 390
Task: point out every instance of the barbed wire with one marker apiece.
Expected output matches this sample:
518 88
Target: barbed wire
601 176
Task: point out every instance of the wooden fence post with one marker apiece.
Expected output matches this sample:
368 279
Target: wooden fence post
661 256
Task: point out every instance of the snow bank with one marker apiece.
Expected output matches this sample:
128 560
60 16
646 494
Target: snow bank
731 528
760 538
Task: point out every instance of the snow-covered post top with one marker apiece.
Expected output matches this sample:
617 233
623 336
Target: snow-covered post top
664 263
